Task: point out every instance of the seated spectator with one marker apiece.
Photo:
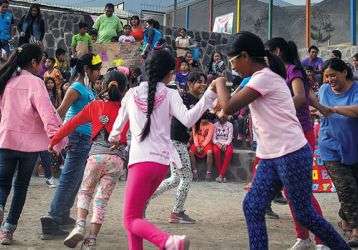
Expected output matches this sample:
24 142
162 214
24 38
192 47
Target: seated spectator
202 146
193 64
182 44
314 61
108 25
216 66
336 54
222 144
126 38
312 79
81 43
355 66
94 35
137 30
182 76
62 64
53 73
53 94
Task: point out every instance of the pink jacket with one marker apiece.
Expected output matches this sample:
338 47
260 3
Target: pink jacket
28 118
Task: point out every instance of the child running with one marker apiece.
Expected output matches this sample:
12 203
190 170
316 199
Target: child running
104 165
286 158
148 108
181 174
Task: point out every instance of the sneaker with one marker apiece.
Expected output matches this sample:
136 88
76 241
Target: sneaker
6 237
303 245
177 242
224 180
51 183
322 247
279 199
181 218
208 176
219 179
51 229
77 235
89 244
271 214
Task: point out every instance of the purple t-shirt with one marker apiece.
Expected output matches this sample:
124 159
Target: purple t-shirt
316 63
303 113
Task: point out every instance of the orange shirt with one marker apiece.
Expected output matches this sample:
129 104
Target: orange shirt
57 76
204 135
138 33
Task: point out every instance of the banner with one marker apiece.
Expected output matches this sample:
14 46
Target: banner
224 23
321 181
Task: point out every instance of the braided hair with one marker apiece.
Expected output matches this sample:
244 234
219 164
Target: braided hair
157 67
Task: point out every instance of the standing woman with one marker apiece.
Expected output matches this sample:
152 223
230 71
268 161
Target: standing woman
78 95
137 30
31 26
24 135
298 84
286 158
338 142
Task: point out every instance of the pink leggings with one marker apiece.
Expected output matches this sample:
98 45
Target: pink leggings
142 181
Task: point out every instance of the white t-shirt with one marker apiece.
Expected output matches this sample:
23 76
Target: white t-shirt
182 42
126 39
274 116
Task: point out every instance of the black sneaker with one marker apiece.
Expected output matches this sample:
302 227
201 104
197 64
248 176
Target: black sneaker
181 218
50 229
271 214
279 199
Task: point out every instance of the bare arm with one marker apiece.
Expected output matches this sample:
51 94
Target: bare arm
70 97
314 102
350 111
299 97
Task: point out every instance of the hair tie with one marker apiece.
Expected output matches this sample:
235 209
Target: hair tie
113 83
19 50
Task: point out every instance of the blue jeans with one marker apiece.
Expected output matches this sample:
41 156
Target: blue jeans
24 162
47 162
79 146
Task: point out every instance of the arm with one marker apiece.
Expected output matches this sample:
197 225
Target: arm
124 133
314 102
121 120
298 89
195 138
70 97
214 135
81 118
73 45
97 23
241 99
350 111
189 117
209 136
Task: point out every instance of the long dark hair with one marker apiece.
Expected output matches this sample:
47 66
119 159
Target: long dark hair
115 91
157 67
21 58
85 60
254 47
338 65
34 6
53 91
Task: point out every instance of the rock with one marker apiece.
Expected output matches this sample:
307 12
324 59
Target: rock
68 39
49 40
205 35
61 44
56 33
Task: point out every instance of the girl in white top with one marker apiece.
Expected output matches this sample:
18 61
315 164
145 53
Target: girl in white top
149 109
286 158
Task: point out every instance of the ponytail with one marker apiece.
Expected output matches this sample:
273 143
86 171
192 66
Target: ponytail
115 84
276 64
157 67
21 58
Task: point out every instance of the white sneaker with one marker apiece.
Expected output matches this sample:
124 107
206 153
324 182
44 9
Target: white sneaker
303 245
77 235
177 242
51 183
322 247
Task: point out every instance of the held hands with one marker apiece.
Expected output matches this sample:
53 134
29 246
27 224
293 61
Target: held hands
218 82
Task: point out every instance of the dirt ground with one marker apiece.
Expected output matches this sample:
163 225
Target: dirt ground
217 208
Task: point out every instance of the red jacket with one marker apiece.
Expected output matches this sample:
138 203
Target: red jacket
101 114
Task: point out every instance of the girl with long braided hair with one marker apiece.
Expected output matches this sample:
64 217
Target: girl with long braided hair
149 109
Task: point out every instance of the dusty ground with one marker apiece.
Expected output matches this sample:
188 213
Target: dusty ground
217 207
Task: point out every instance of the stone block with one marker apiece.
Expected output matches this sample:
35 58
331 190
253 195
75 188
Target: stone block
205 35
49 40
168 31
68 39
68 26
61 44
56 33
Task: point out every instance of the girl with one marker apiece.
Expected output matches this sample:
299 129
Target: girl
148 108
338 141
152 36
54 73
78 95
137 30
24 135
182 76
104 166
299 86
202 146
286 158
51 89
216 66
181 176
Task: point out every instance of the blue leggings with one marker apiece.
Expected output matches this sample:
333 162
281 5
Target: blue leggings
294 172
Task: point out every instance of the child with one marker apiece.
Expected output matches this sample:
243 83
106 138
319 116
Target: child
286 158
94 35
51 89
216 67
126 38
223 134
180 136
182 76
61 63
312 79
152 36
104 165
182 44
43 65
53 73
97 86
137 30
202 146
148 108
81 43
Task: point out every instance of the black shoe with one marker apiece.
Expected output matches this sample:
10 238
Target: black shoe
50 229
68 224
279 199
271 214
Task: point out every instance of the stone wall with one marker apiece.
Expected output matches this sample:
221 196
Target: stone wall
60 25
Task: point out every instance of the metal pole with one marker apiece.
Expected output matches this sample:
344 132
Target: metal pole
211 14
238 16
269 28
175 12
187 17
308 23
353 6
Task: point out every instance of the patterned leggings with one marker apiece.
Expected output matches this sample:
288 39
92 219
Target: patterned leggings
293 171
180 178
105 171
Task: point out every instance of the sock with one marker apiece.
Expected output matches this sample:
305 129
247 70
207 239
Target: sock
81 223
